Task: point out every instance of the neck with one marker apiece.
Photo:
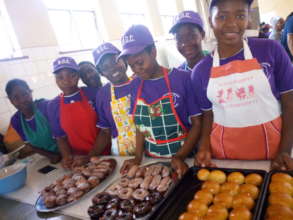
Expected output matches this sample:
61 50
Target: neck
122 81
226 51
70 91
193 62
28 113
157 71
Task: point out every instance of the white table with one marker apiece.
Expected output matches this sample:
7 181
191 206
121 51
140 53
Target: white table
37 181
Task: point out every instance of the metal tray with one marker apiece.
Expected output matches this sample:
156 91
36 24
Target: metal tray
177 203
40 205
262 212
167 193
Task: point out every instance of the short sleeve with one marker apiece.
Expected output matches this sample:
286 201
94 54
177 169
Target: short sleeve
54 118
16 125
199 87
100 107
283 69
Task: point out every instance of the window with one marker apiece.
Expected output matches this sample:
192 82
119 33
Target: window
74 23
131 12
190 5
8 43
167 10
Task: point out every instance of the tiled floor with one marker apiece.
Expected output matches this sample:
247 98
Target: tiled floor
12 210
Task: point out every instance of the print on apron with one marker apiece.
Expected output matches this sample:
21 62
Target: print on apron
247 120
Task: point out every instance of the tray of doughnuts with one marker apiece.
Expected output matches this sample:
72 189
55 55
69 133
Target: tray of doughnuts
216 194
72 187
135 195
278 196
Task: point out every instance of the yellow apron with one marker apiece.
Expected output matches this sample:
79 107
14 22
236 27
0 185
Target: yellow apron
124 144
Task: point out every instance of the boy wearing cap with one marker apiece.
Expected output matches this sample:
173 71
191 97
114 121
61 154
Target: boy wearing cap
244 91
72 114
165 112
189 33
113 103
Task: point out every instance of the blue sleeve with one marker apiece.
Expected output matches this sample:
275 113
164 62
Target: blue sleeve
54 118
101 101
283 69
15 123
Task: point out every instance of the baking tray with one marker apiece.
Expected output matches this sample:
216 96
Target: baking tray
40 205
177 202
166 195
262 212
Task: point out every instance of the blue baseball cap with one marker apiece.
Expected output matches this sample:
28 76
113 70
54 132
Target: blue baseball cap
102 50
65 62
214 2
186 17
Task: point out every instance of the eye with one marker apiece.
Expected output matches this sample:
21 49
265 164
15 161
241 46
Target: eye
222 17
240 17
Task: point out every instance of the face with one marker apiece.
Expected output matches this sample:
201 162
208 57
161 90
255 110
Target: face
280 24
188 39
89 75
229 20
67 80
111 68
21 98
143 64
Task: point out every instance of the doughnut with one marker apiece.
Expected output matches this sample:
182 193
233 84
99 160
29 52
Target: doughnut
81 181
125 193
114 189
165 171
110 214
164 184
155 182
71 190
67 183
78 169
61 199
134 183
157 169
140 194
87 172
71 198
78 194
127 205
57 188
132 171
149 170
142 209
77 177
94 181
113 203
84 186
61 191
146 182
124 182
101 198
50 201
98 174
95 211
95 160
123 215
154 197
140 172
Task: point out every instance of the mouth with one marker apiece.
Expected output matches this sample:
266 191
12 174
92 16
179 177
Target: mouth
231 34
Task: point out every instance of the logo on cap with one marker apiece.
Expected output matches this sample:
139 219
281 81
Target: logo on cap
127 39
101 49
64 61
182 15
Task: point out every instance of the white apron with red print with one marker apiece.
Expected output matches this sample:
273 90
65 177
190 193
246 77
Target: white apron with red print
247 120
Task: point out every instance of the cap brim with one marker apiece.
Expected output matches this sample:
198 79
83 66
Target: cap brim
97 62
65 67
131 51
173 29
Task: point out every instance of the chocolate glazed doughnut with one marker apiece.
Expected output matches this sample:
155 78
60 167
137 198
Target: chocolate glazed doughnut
127 205
110 214
154 197
123 215
142 209
96 211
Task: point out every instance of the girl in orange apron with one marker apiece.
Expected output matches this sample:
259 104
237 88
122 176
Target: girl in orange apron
72 114
242 92
165 112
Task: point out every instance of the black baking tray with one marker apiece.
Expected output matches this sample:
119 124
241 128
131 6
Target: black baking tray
262 212
183 193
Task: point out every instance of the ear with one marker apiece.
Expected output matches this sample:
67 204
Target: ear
154 52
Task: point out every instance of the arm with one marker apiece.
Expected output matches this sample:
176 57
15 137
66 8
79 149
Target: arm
287 132
103 140
53 157
65 150
192 137
290 43
204 154
140 139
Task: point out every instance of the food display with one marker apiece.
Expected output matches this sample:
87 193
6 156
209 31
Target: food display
73 186
133 195
222 195
280 197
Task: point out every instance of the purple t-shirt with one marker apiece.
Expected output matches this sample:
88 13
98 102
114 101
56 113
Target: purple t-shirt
269 53
103 105
15 121
184 66
184 99
54 108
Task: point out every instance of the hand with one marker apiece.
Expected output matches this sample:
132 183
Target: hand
67 162
128 164
204 158
80 161
283 161
179 166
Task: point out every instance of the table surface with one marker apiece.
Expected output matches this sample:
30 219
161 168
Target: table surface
37 181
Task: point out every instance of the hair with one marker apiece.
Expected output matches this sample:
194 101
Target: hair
13 83
217 2
149 48
86 62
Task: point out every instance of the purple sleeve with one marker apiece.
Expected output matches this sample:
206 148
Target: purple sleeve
54 118
42 105
101 100
15 123
283 68
199 79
